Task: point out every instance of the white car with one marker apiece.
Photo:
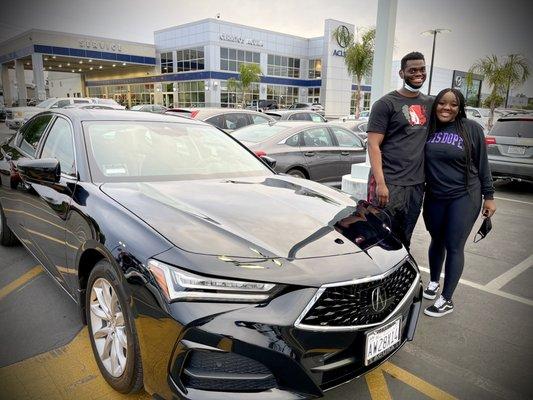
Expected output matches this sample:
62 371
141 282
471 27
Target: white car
17 116
481 115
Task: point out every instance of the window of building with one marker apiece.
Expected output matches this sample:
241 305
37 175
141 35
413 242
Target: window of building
142 94
315 68
365 105
232 98
166 63
191 94
313 95
231 59
190 59
119 93
283 66
284 95
97 91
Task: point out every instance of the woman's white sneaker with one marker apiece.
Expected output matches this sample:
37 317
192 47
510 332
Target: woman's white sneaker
431 290
440 308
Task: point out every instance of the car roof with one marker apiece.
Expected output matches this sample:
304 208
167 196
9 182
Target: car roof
77 114
285 112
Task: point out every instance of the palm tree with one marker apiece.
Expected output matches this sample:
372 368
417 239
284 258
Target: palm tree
502 76
248 74
358 59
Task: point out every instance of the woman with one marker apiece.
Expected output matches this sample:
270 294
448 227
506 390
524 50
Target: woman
457 175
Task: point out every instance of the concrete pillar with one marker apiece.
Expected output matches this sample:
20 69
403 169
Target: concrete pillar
38 76
355 184
6 86
21 83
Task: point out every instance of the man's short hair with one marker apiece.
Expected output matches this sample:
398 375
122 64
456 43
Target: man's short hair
414 55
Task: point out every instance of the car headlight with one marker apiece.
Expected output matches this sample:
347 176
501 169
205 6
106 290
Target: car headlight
177 285
18 114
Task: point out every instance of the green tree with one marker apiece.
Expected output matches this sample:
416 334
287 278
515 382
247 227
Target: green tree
502 75
248 74
358 59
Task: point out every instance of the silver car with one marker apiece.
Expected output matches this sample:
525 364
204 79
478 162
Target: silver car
510 148
311 150
296 115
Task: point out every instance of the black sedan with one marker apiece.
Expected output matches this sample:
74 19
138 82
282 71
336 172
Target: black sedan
312 150
200 273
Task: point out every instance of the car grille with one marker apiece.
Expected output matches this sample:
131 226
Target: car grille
9 114
352 305
226 372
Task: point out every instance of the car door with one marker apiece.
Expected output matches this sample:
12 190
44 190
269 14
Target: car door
350 147
14 194
46 225
321 155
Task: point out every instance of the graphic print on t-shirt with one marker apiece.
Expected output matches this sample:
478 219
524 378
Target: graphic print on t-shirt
447 138
415 114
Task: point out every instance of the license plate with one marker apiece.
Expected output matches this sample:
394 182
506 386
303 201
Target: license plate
381 341
516 150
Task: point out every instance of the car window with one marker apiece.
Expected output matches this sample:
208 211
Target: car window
58 145
259 119
81 101
218 121
31 133
257 133
317 137
61 104
300 117
294 140
235 121
317 118
346 138
362 127
522 128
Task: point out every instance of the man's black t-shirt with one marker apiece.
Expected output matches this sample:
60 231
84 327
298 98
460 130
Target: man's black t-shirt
446 162
403 121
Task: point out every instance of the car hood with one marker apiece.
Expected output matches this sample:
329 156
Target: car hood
254 218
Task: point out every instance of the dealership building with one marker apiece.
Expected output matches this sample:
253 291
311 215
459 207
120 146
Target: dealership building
188 65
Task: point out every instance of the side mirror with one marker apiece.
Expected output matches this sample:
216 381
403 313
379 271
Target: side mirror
269 161
40 170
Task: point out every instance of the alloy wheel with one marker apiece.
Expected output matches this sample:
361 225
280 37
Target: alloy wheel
108 327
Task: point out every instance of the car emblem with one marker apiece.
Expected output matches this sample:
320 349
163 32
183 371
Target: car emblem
379 299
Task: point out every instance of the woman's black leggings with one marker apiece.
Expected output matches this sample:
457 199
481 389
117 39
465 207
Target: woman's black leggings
449 222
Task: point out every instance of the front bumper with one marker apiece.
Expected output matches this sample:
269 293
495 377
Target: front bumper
302 363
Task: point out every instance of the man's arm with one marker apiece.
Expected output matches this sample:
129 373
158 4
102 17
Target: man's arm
374 152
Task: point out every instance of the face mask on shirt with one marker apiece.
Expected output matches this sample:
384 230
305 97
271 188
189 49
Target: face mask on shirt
410 88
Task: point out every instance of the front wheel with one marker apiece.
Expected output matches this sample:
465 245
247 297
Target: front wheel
296 173
111 330
7 237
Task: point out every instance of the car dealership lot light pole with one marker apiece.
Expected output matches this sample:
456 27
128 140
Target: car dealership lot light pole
434 33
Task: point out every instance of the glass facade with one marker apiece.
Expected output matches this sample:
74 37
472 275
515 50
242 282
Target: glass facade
315 68
167 66
231 59
366 102
142 94
232 98
190 94
283 66
284 95
190 59
313 95
119 93
97 91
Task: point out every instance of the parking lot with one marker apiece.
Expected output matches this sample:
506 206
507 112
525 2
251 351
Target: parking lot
484 350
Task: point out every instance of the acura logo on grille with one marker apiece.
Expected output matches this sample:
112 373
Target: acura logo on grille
379 299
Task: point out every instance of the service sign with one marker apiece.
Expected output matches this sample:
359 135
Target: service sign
100 45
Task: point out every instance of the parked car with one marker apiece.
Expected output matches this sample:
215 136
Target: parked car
356 126
227 119
308 106
108 102
296 115
199 271
363 116
510 147
153 108
482 115
317 151
262 105
90 107
16 116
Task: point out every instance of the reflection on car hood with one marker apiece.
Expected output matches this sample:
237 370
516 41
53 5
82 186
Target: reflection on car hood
255 218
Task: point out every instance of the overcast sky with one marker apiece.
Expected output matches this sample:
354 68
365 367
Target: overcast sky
479 27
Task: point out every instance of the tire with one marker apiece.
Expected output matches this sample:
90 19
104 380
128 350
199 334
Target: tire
7 237
108 331
296 173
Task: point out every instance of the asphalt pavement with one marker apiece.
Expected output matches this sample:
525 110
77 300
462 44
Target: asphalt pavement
483 350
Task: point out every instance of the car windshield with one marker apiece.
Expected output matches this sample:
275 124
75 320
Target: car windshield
513 128
257 133
485 113
122 151
46 103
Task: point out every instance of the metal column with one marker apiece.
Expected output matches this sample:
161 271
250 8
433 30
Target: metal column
38 76
21 83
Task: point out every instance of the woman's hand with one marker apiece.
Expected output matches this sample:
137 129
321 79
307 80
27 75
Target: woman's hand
489 208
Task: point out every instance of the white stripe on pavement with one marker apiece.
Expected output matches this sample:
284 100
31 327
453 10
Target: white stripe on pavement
516 201
489 290
506 277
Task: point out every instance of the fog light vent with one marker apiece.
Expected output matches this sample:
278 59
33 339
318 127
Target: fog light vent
225 372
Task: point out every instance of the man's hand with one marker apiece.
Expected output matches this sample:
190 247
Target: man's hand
382 192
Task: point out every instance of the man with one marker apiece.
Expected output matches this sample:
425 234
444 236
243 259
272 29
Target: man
396 139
